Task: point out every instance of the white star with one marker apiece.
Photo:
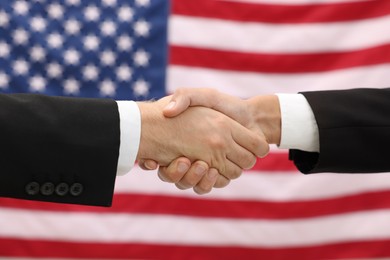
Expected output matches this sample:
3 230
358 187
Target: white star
54 40
125 43
37 84
71 87
20 67
73 2
124 73
71 56
4 19
21 7
20 36
54 70
90 72
142 28
37 53
107 58
109 2
72 26
4 80
141 88
141 58
4 50
91 13
55 11
107 88
91 42
38 24
125 14
143 2
108 28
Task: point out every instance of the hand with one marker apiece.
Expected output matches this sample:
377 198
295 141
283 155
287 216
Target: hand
186 175
198 134
260 114
257 113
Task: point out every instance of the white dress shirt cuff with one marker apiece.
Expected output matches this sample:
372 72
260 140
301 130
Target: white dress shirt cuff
299 127
130 127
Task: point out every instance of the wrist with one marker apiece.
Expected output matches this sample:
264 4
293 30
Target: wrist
149 118
265 111
158 141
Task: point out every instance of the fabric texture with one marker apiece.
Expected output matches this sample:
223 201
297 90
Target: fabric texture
54 140
354 131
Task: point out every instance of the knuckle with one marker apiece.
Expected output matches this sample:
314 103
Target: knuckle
233 173
201 190
162 175
249 161
169 176
221 182
217 142
190 183
180 187
205 186
263 150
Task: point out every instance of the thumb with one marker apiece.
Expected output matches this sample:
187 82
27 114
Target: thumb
147 164
176 105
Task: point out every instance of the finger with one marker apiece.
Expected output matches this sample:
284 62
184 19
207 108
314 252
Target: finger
175 171
183 98
206 184
194 175
231 171
221 182
255 143
241 157
148 165
179 102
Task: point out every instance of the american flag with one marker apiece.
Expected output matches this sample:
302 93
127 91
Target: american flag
118 49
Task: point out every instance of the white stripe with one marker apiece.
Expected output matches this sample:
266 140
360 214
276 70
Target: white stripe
271 186
179 230
280 38
294 2
247 84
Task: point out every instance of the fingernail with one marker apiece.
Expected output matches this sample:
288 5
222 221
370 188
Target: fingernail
200 169
170 105
182 167
149 165
212 175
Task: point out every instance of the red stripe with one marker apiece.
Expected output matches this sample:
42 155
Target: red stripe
56 249
280 13
274 162
278 63
206 207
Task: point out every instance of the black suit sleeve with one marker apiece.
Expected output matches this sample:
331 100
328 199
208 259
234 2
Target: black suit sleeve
354 132
58 149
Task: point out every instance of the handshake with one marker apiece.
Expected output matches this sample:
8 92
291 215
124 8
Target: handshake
202 138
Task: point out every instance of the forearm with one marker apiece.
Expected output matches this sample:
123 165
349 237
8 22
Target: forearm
265 113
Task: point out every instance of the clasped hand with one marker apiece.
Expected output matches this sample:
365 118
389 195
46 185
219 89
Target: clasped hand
200 138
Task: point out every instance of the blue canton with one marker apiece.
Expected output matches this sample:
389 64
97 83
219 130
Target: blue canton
103 48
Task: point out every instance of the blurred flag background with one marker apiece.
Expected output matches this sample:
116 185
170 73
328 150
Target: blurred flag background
143 49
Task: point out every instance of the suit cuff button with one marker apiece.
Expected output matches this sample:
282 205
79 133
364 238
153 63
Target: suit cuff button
47 189
62 189
32 188
76 189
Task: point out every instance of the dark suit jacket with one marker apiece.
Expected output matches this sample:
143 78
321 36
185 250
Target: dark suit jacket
354 131
58 149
